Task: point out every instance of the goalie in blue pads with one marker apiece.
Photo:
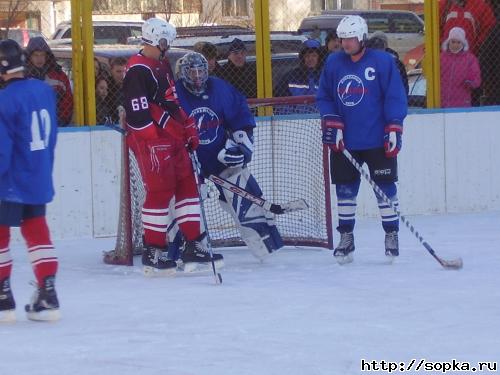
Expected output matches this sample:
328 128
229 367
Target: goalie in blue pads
225 126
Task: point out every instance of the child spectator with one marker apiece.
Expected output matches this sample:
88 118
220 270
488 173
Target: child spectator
101 100
460 72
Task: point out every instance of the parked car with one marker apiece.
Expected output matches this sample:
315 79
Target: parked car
281 42
105 32
404 29
21 36
417 89
103 54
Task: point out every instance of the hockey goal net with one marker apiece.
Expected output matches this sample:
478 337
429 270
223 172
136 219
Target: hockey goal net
289 162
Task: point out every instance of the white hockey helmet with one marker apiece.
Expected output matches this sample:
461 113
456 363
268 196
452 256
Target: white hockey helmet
158 33
353 27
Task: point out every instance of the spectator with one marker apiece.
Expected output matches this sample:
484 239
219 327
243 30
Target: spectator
102 110
209 51
460 72
489 59
379 41
303 80
115 83
41 64
238 71
332 42
99 69
475 17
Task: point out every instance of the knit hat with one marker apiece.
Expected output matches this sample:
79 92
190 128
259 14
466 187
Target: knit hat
382 37
237 45
456 33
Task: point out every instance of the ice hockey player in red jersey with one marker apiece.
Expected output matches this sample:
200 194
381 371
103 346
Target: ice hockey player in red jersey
161 134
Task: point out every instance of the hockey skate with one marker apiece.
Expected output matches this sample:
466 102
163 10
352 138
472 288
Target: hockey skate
391 245
155 263
196 257
7 303
343 252
44 305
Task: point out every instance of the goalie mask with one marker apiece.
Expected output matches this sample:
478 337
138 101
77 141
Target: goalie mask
158 33
194 72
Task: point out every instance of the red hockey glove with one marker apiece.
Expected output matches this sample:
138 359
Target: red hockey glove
171 94
333 132
165 121
393 140
191 134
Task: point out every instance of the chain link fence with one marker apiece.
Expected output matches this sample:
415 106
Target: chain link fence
302 35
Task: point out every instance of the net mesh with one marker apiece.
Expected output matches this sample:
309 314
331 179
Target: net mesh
289 163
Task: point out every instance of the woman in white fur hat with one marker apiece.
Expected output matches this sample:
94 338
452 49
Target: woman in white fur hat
460 72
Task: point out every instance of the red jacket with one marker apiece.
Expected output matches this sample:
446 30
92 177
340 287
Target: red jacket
459 75
475 17
60 83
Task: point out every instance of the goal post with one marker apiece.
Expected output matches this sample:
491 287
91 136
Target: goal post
289 162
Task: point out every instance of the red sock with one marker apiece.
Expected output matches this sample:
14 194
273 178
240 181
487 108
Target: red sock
187 208
40 249
5 258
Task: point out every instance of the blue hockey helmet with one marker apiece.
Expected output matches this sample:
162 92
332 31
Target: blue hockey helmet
193 70
11 57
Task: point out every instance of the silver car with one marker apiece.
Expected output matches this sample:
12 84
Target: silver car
404 29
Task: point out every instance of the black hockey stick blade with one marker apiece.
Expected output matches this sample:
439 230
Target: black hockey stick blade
292 206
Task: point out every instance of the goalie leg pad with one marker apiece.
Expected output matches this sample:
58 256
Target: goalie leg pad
256 226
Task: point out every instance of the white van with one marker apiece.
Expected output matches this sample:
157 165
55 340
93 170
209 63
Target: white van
404 29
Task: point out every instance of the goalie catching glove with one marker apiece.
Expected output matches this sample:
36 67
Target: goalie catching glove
231 155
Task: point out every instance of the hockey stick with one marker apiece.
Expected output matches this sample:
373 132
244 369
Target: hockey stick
196 170
453 264
277 209
118 128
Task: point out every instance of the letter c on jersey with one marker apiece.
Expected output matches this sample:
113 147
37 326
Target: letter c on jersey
369 74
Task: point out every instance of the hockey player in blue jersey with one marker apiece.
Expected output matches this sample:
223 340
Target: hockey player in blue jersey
362 103
225 127
28 132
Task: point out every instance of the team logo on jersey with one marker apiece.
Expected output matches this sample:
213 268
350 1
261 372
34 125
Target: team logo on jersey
350 90
208 124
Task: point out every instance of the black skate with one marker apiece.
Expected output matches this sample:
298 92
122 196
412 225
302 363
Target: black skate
7 303
391 245
196 256
343 252
44 305
156 263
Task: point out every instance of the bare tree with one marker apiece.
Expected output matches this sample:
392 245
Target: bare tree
11 10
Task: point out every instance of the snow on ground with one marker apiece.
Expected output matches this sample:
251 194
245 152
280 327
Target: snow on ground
299 313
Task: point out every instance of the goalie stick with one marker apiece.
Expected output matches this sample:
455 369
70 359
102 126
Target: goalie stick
277 209
453 264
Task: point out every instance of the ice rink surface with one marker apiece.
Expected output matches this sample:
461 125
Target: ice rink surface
299 313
